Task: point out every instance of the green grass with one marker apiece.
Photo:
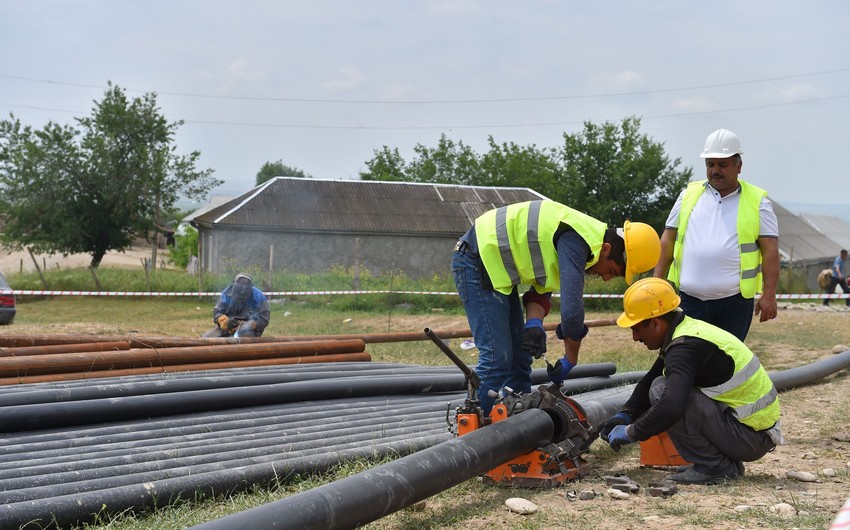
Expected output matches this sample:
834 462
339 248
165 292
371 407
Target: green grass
807 335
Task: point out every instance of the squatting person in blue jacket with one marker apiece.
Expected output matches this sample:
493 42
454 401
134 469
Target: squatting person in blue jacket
550 247
242 310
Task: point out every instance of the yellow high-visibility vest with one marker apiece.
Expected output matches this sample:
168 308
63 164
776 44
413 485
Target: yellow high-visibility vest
749 392
748 234
516 244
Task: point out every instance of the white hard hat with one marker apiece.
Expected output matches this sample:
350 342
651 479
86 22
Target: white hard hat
721 144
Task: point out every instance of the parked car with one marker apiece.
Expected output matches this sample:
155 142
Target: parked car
7 302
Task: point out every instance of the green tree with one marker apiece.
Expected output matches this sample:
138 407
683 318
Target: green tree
185 246
271 170
610 171
614 173
448 163
94 188
522 166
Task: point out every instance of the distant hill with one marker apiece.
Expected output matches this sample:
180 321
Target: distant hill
842 211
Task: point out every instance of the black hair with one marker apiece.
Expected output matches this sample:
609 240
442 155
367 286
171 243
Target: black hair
618 247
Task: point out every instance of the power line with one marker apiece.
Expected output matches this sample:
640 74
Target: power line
447 101
482 126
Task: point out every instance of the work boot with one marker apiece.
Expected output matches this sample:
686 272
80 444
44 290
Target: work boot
692 476
740 466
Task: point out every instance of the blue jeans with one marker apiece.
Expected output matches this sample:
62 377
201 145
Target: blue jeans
733 313
497 322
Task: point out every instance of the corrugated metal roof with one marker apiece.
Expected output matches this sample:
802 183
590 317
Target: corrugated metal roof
832 227
214 202
288 203
799 241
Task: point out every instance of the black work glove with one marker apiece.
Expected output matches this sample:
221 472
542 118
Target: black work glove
620 418
559 371
233 323
534 338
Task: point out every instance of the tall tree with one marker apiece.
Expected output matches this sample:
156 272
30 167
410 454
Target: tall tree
610 171
94 188
616 173
271 170
448 163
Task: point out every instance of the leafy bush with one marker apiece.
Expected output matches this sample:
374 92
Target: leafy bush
185 246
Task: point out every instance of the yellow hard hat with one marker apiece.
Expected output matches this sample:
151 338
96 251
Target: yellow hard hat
647 298
643 248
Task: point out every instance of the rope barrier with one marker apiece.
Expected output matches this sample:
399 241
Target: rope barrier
273 294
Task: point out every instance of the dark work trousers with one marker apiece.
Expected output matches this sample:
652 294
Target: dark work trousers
833 281
709 436
733 313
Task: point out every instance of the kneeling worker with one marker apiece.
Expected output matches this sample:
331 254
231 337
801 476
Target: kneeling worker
706 389
242 310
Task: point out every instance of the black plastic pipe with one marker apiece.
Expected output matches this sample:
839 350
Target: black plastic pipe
73 510
165 384
380 491
293 413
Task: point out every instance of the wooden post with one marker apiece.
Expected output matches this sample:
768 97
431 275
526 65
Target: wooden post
355 284
147 275
271 267
200 268
38 269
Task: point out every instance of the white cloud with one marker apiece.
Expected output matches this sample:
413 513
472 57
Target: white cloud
694 104
621 81
351 77
795 92
453 7
397 92
240 70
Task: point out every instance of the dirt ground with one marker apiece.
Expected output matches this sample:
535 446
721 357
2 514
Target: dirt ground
20 261
817 434
815 426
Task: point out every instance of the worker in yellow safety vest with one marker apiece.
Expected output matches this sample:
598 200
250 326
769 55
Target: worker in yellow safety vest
720 245
549 247
706 389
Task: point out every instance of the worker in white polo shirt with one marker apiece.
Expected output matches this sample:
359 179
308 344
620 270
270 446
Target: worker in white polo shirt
720 245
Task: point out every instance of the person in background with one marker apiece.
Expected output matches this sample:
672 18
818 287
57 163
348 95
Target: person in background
720 245
550 247
706 389
242 310
838 277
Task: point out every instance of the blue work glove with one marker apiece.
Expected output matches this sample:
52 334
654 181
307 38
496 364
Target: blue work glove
559 371
620 418
534 338
618 437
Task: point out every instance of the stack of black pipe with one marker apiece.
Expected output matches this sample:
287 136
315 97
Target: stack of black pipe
136 442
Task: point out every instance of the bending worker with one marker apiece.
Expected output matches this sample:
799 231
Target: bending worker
706 389
550 247
721 243
242 310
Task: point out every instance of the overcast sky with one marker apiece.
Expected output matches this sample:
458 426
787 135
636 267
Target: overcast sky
323 84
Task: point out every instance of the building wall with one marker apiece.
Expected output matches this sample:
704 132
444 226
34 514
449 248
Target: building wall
225 250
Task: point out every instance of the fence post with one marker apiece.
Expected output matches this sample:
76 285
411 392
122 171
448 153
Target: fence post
271 267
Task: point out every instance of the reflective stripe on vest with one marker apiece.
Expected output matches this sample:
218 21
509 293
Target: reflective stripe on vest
516 243
747 224
749 392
